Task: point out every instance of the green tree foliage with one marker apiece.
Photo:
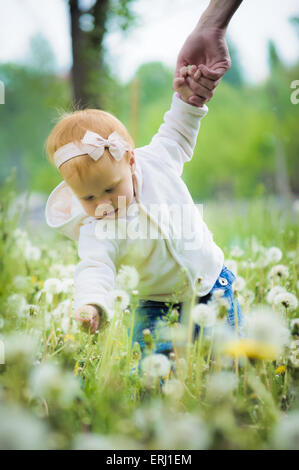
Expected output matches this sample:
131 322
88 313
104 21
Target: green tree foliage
235 152
234 76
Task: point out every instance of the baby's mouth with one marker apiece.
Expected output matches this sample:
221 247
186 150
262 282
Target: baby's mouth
107 214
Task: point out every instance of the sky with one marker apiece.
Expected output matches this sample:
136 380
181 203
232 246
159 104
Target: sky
163 26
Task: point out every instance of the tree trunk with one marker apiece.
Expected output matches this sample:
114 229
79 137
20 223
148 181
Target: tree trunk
87 49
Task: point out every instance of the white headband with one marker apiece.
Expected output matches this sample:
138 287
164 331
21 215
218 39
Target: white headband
94 145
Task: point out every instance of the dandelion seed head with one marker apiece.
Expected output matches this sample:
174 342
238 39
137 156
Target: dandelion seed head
155 365
280 271
286 300
127 278
274 254
273 292
204 314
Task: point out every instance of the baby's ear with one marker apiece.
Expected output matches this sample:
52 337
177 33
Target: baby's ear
132 160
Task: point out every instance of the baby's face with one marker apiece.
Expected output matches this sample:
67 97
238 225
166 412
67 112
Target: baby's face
100 184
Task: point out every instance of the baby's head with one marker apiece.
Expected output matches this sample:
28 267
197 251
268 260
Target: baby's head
96 183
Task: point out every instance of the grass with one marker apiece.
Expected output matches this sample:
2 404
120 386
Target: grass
61 388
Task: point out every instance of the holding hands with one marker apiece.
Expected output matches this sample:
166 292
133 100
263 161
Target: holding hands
204 57
193 75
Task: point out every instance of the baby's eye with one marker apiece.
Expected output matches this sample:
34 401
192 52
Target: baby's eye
109 190
89 198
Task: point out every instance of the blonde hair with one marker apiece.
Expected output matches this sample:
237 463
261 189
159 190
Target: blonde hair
71 127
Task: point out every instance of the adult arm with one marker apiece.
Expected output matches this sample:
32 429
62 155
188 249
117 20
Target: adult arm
206 48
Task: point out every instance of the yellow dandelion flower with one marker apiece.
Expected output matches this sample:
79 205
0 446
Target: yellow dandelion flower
76 368
280 370
250 348
69 337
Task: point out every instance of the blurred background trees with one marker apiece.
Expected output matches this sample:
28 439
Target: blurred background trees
89 24
248 144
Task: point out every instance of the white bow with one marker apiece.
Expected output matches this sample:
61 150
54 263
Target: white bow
94 145
116 145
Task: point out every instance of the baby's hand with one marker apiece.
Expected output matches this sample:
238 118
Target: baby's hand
180 84
90 317
193 73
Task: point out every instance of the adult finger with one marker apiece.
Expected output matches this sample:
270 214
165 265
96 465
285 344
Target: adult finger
207 83
199 90
196 101
211 74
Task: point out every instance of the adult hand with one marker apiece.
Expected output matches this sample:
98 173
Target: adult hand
205 47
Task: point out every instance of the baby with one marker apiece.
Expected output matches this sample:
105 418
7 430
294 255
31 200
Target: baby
105 178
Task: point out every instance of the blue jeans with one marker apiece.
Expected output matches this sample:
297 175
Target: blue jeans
149 312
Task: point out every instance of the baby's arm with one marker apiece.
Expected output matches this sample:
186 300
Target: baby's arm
94 278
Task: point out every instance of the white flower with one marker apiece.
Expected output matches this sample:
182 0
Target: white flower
17 303
63 308
155 365
32 252
67 285
236 252
20 347
263 259
286 432
218 299
21 238
286 300
176 333
20 430
204 314
265 326
239 283
248 264
279 271
127 277
53 286
63 271
47 380
92 441
222 334
274 292
182 431
232 266
274 254
119 297
173 388
221 385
